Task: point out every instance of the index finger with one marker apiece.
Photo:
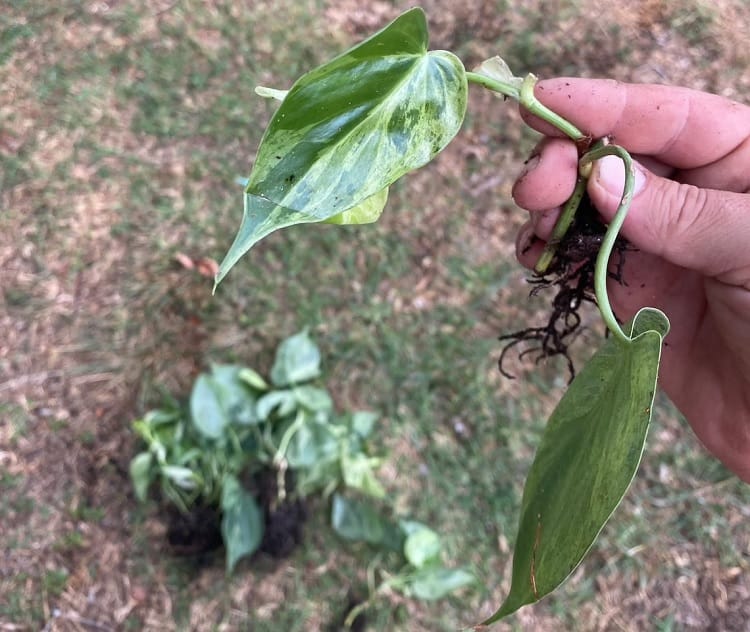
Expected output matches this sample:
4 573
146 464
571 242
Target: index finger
679 126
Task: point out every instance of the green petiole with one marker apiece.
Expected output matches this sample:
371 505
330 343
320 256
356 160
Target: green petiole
602 259
525 96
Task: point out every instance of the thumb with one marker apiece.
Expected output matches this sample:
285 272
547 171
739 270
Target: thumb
700 229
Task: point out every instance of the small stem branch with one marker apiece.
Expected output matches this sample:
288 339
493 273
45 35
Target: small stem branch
561 227
506 89
525 96
286 439
602 260
538 109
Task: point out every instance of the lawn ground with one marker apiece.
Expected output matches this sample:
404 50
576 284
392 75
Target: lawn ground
124 126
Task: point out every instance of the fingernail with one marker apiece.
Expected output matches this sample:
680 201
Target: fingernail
525 238
610 175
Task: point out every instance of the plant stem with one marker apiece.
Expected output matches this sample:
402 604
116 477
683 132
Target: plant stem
525 96
538 109
506 89
287 438
602 259
561 227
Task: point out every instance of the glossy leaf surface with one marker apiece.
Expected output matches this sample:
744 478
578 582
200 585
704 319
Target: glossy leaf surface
366 212
587 458
350 128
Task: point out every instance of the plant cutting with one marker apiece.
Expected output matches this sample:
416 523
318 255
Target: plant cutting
343 134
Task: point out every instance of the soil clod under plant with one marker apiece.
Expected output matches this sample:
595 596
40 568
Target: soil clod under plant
284 518
197 532
571 274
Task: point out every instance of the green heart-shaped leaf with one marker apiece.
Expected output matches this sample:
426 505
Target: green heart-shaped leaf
435 582
207 413
586 460
350 128
297 360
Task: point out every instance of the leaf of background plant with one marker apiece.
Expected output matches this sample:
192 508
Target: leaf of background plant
350 128
434 582
359 521
241 523
363 422
284 400
140 474
358 474
297 360
587 458
422 547
253 379
237 401
314 399
312 443
206 411
319 476
183 477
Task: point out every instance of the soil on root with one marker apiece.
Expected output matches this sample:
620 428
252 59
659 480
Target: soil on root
571 275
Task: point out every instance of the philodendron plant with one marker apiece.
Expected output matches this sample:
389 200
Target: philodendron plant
341 136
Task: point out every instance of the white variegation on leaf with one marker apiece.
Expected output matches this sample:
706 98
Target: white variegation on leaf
350 128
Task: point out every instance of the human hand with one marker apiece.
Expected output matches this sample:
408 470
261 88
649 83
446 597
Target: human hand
689 220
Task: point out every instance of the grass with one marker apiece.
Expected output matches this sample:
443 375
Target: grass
122 134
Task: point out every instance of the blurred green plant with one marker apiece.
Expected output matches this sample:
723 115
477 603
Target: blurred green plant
422 574
237 423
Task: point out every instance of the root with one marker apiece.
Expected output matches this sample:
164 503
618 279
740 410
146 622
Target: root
572 275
